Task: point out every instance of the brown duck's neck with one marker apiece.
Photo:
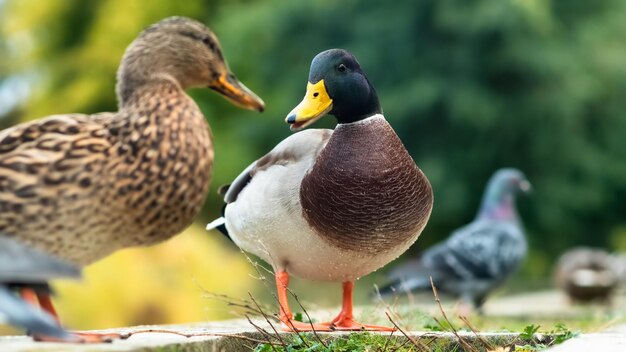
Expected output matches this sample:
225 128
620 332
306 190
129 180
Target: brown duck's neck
163 100
364 191
129 86
165 146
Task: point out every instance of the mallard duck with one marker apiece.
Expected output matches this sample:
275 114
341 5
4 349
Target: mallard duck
23 267
80 187
330 205
477 257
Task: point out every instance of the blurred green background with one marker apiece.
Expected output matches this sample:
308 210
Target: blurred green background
469 85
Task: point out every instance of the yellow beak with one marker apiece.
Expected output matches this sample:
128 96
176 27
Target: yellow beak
316 103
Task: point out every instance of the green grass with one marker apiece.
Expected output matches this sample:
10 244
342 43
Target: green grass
365 342
358 342
535 333
411 318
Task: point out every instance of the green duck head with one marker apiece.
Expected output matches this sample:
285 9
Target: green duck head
337 86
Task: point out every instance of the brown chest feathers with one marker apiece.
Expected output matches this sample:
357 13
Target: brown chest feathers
365 192
165 159
81 187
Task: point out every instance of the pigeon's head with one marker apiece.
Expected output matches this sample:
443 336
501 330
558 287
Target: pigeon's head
499 198
508 181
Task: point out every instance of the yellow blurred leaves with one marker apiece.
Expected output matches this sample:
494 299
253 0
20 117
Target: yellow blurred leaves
161 284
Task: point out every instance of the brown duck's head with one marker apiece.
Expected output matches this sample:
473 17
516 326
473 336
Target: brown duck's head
187 52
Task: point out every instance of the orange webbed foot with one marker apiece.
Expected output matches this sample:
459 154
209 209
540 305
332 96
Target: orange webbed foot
351 325
298 326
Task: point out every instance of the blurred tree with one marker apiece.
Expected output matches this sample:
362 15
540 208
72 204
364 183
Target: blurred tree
470 86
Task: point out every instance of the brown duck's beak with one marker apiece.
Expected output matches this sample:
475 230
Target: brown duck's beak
230 87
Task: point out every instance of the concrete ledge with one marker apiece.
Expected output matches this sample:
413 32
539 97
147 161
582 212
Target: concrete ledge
611 340
231 335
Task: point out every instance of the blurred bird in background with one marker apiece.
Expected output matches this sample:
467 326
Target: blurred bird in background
22 267
587 275
81 187
476 258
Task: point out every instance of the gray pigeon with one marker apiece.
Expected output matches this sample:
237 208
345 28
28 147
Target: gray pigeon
21 266
477 257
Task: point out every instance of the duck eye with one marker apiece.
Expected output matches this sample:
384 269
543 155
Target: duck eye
341 68
316 94
206 41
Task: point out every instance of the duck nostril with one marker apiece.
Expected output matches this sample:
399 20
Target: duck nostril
316 94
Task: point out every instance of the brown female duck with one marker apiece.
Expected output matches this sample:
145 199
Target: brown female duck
83 186
331 205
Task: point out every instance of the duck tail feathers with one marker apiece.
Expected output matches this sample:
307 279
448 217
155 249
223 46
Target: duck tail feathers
215 224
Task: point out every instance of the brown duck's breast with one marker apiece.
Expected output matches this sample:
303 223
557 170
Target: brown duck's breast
365 192
167 162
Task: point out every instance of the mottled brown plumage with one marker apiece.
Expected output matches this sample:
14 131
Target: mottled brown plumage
82 186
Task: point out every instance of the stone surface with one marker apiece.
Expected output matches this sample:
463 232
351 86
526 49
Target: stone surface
210 337
232 335
237 335
610 340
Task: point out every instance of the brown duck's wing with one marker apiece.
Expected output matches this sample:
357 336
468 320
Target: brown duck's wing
45 161
305 144
56 133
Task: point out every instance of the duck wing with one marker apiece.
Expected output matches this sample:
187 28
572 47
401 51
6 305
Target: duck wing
295 148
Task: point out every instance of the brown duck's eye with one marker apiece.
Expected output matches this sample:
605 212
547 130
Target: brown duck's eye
206 41
341 68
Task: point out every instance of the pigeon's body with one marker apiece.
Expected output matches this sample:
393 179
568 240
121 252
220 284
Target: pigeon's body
477 257
21 266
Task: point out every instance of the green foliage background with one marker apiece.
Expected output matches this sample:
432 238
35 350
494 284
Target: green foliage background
469 85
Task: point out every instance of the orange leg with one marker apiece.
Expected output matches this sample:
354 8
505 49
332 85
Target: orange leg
45 302
286 317
28 295
345 319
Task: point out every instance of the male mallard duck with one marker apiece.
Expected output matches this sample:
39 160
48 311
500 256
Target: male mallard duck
330 205
477 257
80 187
22 267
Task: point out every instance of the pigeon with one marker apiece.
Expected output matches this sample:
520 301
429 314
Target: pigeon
24 267
476 258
